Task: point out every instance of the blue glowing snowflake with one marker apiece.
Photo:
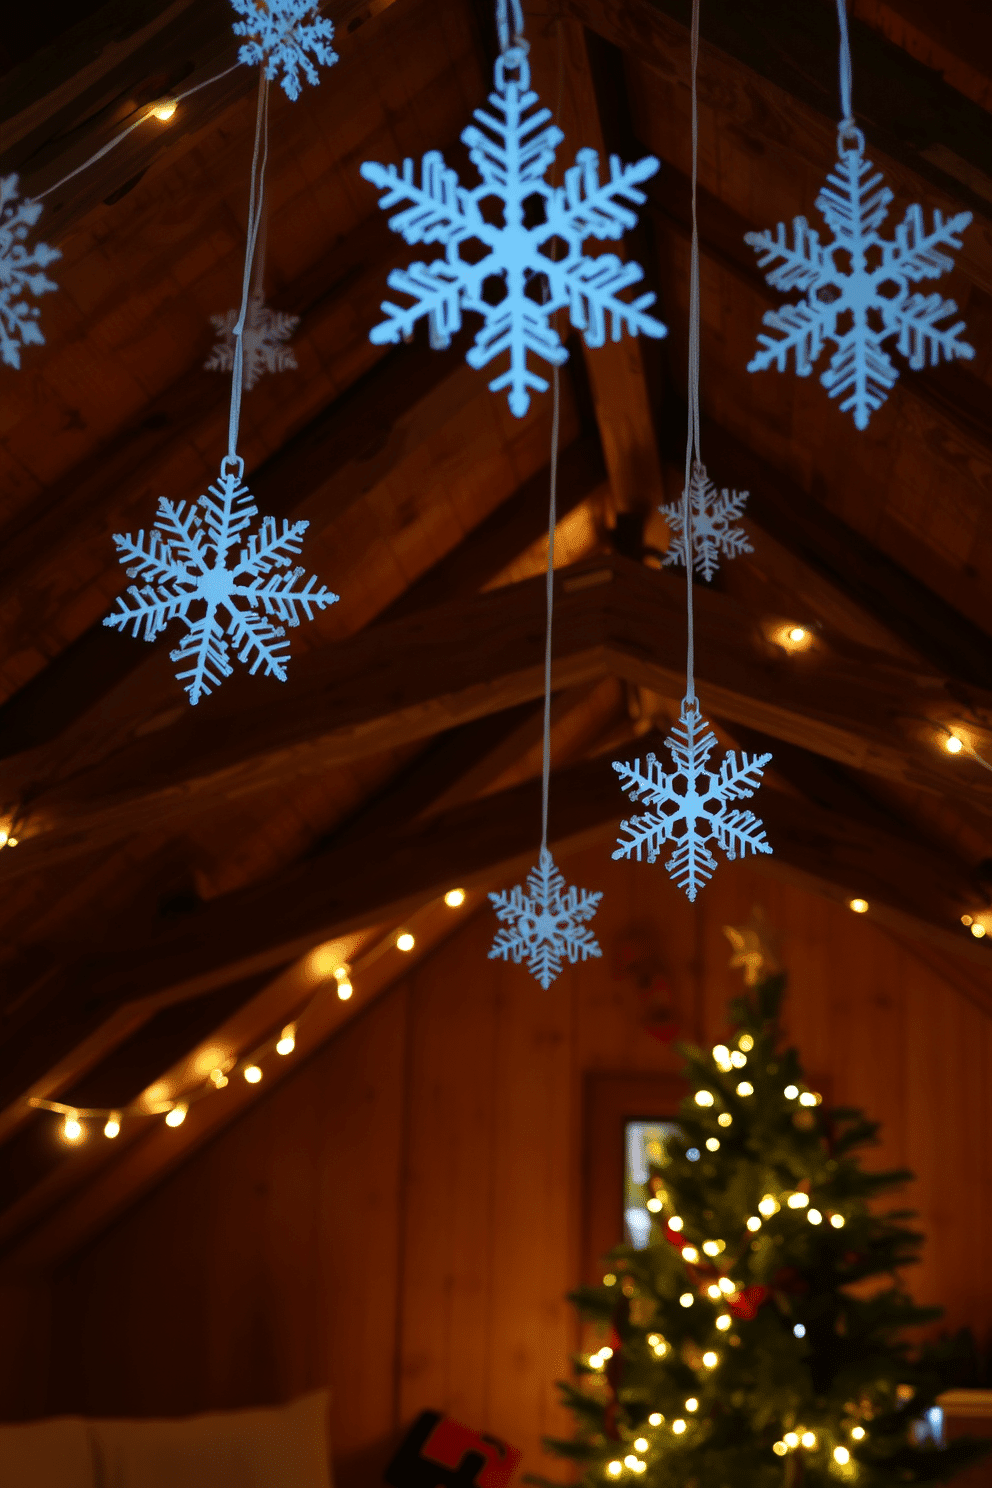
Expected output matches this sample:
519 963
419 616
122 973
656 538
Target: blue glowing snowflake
712 514
689 807
518 271
280 33
857 289
184 562
546 924
20 273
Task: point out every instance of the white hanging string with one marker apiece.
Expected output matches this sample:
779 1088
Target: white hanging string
847 115
692 435
508 11
550 593
256 207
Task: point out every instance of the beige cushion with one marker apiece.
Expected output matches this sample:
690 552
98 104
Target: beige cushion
46 1454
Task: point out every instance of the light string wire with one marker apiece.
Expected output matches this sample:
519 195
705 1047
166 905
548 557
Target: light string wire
692 433
256 208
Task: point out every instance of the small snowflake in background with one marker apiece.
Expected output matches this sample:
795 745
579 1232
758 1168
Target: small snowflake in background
184 562
857 289
712 514
20 273
280 33
546 924
518 271
689 807
261 341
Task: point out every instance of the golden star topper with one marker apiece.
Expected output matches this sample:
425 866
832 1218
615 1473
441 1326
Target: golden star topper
755 947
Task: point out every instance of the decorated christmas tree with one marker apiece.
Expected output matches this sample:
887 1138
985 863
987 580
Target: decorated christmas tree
763 1336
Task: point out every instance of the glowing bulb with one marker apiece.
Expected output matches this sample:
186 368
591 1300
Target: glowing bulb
704 1098
654 1205
714 1291
252 1074
721 1055
219 1078
713 1247
808 1439
654 1338
966 919
797 1200
745 1042
754 1223
860 906
687 1299
176 1116
630 1461
712 1144
661 1348
724 1321
953 744
287 1042
779 1448
815 1217
595 1361
72 1129
678 1427
790 1092
745 1088
799 1330
641 1444
724 1118
11 841
726 1285
615 1469
345 990
165 109
655 1418
690 1254
978 930
738 1060
4 839
710 1359
692 1404
858 1433
640 1467
405 942
609 1279
113 1126
605 1352
796 634
455 898
791 1439
769 1205
675 1223
841 1455
809 1098
837 1220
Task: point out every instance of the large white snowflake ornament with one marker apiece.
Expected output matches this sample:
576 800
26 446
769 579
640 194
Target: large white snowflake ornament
280 34
20 272
689 807
712 514
184 567
857 288
546 924
263 342
513 244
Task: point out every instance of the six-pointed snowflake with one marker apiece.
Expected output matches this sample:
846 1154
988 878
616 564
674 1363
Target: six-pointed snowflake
689 807
262 341
280 34
20 273
857 289
712 514
517 271
545 924
184 566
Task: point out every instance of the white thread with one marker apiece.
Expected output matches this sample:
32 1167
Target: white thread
692 434
256 199
550 591
112 144
504 10
847 115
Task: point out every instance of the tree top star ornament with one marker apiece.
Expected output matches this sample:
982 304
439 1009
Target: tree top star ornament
200 564
21 273
856 287
509 271
690 808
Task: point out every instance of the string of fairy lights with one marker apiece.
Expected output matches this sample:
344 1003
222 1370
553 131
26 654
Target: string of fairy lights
78 1121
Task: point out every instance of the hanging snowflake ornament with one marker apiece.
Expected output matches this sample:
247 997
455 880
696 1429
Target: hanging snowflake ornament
546 924
185 574
263 342
20 272
857 287
280 33
712 515
513 244
689 807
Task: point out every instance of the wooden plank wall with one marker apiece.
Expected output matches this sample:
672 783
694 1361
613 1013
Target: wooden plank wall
402 1218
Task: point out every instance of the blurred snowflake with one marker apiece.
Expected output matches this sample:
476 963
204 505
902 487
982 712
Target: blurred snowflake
262 341
20 272
712 513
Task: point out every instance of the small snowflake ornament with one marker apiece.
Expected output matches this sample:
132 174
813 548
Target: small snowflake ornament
186 574
712 514
857 287
689 807
20 272
513 244
546 924
280 34
263 348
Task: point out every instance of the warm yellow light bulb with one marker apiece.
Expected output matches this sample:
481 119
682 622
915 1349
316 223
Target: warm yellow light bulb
724 1321
714 1291
345 990
690 1254
654 1205
219 1078
675 1223
606 1352
978 930
815 1217
11 841
780 1449
726 1285
176 1116
692 1404
966 919
165 110
655 1418
769 1205
745 1088
661 1348
704 1098
252 1074
796 633
454 898
790 1092
641 1444
837 1220
791 1439
754 1223
113 1126
858 1433
615 1469
710 1359
724 1119
713 1247
808 1439
405 942
609 1279
287 1042
4 839
595 1361
712 1144
745 1042
797 1200
678 1427
72 1129
687 1299
841 1455
860 906
953 744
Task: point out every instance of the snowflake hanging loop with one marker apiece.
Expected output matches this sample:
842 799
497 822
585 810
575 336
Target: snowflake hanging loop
857 287
262 341
689 807
546 924
280 34
183 564
20 272
712 514
516 272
